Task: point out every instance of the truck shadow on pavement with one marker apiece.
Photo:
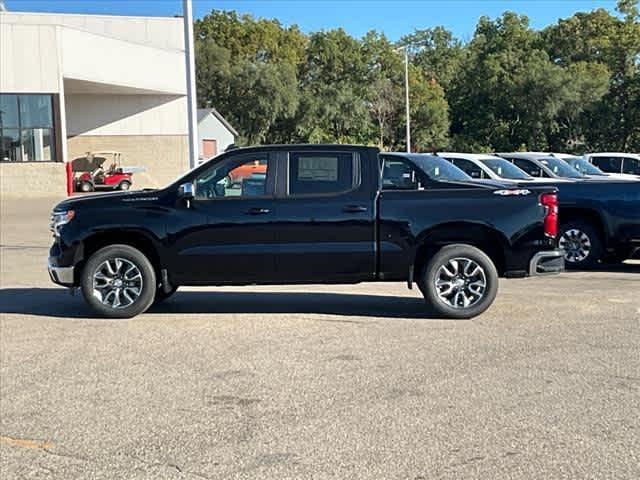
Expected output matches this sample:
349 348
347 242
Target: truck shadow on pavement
608 268
57 302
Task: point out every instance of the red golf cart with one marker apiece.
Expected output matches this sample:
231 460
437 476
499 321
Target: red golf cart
102 171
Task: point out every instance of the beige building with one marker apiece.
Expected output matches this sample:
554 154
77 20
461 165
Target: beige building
71 84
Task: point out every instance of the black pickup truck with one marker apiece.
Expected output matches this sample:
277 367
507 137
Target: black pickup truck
599 219
307 214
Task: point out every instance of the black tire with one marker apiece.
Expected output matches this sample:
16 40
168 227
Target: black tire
124 185
86 187
161 295
577 233
127 256
435 296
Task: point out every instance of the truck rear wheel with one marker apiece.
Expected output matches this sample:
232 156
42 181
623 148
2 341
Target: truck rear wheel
118 281
581 244
460 281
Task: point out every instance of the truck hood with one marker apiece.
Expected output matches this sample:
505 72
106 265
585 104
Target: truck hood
106 199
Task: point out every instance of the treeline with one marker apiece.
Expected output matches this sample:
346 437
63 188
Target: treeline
573 86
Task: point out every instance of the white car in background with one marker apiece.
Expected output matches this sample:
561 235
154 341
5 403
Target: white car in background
490 167
590 170
627 164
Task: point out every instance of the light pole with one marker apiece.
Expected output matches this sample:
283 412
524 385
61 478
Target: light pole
406 94
187 15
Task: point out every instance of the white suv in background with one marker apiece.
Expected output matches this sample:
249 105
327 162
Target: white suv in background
616 163
591 170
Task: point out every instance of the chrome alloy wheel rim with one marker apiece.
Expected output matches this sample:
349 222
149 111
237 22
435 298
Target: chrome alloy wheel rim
576 245
117 283
461 282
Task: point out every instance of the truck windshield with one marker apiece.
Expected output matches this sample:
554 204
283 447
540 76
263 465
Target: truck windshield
584 167
439 169
560 168
505 169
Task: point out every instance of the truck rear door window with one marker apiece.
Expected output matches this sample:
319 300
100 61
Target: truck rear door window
321 173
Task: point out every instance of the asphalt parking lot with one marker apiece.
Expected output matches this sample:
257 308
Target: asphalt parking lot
315 381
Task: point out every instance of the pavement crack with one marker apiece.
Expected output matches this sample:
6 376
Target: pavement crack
26 443
66 455
173 466
39 445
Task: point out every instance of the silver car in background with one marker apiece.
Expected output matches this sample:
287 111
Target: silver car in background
490 167
543 165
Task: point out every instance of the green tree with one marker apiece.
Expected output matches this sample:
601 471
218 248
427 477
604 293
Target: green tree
385 87
507 88
573 86
248 38
429 113
247 69
610 121
333 108
511 95
436 52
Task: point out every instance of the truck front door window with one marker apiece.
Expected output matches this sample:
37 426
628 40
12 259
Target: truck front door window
245 178
399 175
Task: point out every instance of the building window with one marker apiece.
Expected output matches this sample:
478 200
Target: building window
26 128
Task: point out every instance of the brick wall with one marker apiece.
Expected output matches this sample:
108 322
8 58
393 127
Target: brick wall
32 179
163 156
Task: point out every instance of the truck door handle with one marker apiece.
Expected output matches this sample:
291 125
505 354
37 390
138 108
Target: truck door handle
258 211
354 209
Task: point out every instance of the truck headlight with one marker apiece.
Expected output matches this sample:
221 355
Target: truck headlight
60 218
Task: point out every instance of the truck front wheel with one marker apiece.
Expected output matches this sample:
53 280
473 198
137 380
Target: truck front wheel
118 281
460 281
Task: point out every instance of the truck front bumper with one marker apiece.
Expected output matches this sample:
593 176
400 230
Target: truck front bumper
61 275
547 262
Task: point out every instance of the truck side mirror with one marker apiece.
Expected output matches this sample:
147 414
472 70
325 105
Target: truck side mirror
187 191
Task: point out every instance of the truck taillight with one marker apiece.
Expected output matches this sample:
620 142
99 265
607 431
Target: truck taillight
550 203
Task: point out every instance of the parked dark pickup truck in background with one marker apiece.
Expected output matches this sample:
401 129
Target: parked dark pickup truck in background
317 214
599 220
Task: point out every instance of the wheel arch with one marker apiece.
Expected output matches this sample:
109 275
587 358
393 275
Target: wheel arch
488 239
589 215
140 240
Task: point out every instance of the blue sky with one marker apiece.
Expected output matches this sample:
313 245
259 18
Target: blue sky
395 18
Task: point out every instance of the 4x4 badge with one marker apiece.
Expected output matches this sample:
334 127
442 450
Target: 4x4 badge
506 193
